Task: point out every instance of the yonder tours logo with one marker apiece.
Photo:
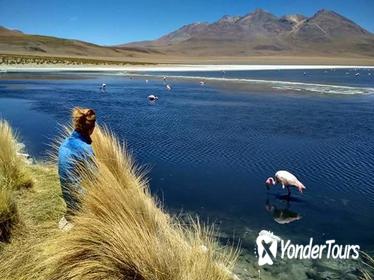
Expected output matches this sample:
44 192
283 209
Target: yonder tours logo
268 243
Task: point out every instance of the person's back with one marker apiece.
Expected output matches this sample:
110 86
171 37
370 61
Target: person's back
75 152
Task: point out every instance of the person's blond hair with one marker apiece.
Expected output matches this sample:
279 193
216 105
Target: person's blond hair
83 119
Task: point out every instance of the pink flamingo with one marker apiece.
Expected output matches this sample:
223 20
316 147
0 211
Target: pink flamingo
286 179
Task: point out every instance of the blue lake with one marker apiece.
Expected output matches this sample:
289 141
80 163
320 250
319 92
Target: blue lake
210 148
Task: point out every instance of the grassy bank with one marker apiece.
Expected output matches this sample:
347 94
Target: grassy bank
121 231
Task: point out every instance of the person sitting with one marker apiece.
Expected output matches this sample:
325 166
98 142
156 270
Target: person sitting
75 152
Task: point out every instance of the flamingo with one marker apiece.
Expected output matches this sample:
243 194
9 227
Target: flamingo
286 179
152 97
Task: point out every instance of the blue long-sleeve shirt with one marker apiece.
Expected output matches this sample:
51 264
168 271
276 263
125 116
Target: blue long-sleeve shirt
75 149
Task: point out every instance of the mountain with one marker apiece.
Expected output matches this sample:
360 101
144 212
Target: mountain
260 32
327 26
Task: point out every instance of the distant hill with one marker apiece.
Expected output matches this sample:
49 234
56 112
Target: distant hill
260 32
16 42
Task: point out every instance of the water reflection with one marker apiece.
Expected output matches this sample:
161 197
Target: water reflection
282 215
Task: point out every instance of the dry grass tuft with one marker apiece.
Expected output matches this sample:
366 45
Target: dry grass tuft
12 167
39 210
8 213
368 262
13 176
122 233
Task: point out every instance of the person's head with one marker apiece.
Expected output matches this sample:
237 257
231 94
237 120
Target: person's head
84 120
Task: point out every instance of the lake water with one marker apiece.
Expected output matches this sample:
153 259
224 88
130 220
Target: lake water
210 148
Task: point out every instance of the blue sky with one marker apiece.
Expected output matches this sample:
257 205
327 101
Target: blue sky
114 21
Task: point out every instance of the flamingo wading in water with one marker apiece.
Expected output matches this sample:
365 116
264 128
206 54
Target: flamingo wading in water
286 179
152 97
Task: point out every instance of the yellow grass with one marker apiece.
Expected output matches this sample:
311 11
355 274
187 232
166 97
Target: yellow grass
368 270
8 213
39 210
13 175
12 167
121 232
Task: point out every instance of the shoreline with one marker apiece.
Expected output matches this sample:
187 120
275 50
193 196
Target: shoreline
171 68
266 85
175 74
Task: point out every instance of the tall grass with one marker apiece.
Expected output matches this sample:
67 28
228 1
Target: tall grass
121 231
368 270
12 167
8 213
13 176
